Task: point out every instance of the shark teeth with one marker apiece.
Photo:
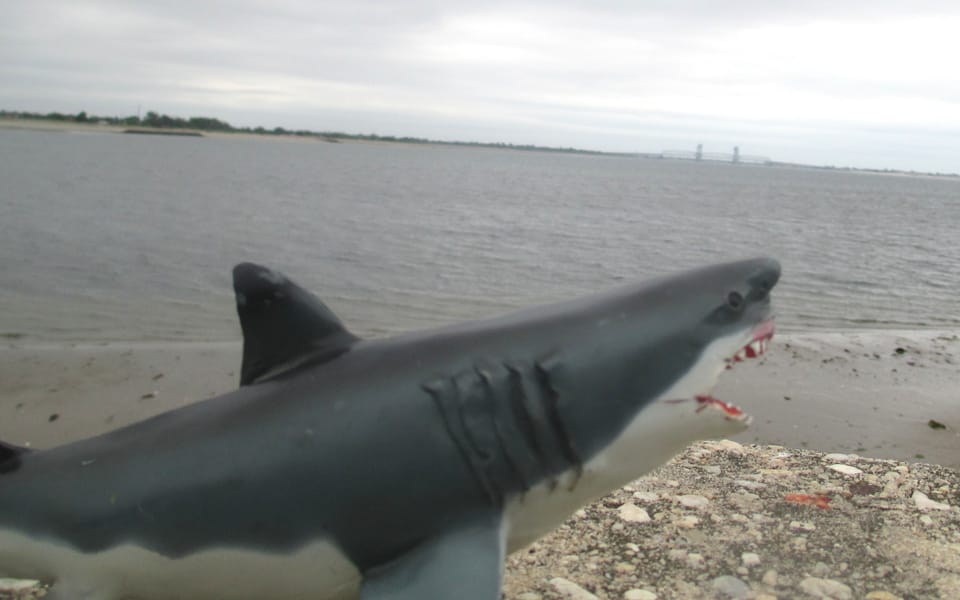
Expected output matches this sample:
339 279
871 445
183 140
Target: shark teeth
757 346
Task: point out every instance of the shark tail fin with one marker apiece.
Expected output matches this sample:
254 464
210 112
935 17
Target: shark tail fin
284 326
10 457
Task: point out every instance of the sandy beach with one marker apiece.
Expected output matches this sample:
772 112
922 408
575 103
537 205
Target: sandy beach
872 393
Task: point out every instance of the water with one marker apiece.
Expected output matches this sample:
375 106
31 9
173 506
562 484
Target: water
122 237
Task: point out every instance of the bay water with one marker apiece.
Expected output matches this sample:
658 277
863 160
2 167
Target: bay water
123 237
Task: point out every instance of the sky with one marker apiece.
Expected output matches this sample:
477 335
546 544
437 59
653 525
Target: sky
870 84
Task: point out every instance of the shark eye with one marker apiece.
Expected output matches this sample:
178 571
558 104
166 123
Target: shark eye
735 300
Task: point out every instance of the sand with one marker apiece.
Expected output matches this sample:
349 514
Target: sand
873 393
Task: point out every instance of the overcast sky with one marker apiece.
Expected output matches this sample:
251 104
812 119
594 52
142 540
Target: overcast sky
866 83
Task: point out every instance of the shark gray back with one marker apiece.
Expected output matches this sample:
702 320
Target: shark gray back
404 467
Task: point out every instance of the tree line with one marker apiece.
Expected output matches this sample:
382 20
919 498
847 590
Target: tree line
161 121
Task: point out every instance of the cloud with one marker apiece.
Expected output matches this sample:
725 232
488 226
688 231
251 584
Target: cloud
607 74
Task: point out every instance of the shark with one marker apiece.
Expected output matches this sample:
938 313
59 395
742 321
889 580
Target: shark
405 467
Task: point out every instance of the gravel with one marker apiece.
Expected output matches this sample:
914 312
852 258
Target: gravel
766 522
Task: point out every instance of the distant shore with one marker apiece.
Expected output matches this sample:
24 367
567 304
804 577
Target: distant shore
97 127
90 126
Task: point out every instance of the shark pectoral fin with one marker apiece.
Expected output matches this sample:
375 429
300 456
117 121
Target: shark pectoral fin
284 326
464 563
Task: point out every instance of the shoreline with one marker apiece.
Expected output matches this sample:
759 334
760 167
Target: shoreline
873 393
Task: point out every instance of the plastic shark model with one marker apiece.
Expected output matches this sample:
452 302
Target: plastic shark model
402 468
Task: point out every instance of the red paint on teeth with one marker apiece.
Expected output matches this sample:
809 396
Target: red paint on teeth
730 409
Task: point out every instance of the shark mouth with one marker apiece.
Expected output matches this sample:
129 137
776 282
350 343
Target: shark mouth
759 341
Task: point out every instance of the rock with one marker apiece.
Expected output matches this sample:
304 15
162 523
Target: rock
569 589
846 469
529 596
636 594
693 501
770 578
750 559
728 586
632 513
925 503
828 589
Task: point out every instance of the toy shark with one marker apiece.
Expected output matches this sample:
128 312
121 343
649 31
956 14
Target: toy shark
402 468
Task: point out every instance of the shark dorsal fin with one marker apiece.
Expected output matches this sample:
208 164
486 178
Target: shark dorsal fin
284 326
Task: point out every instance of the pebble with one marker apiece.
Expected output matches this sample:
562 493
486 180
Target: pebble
750 559
881 595
624 567
15 586
846 469
826 588
646 496
802 526
837 457
636 594
730 587
712 469
726 446
695 560
925 503
569 589
677 554
820 570
693 501
926 520
634 514
750 485
770 578
688 522
529 596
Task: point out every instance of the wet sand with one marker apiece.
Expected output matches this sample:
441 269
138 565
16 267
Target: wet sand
870 393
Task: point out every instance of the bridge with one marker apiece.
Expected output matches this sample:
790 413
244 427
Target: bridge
699 154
